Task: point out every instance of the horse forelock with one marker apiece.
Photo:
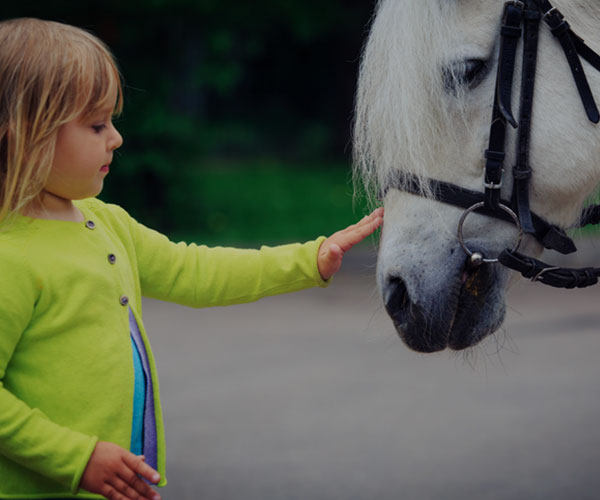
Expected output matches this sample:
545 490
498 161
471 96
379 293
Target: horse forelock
401 102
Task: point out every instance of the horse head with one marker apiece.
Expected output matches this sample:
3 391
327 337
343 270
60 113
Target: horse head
424 104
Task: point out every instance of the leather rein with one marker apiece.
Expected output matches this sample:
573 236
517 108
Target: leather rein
522 19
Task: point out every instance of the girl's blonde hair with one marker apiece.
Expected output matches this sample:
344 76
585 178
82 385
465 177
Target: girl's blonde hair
50 74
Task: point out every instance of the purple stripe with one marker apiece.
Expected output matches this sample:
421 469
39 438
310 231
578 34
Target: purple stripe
149 447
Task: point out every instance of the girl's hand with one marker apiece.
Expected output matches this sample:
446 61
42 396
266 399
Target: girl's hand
115 473
333 248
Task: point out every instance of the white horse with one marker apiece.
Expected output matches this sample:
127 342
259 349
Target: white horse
424 106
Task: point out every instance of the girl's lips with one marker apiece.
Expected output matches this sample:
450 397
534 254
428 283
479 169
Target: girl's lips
104 168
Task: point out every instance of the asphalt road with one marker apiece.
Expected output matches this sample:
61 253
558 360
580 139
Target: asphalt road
313 396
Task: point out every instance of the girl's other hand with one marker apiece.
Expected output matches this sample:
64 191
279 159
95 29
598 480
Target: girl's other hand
115 473
331 253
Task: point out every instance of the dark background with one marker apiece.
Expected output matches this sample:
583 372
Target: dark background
237 119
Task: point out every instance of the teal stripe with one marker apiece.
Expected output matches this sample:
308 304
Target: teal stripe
139 400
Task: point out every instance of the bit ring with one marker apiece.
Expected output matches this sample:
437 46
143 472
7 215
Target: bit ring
472 209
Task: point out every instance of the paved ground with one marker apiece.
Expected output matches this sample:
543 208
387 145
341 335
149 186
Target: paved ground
312 396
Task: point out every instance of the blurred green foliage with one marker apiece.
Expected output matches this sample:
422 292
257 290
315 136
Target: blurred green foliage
225 102
295 202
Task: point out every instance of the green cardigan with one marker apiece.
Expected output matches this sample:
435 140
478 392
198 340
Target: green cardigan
66 371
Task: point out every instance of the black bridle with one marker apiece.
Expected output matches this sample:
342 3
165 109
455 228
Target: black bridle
522 19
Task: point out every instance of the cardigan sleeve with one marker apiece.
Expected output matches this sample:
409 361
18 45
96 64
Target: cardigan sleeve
27 436
200 276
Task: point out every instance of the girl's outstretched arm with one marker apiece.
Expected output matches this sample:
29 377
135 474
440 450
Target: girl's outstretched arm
331 253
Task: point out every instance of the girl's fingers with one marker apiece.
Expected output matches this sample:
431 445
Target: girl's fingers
135 488
134 470
129 492
373 215
369 225
110 492
376 215
141 468
366 219
347 239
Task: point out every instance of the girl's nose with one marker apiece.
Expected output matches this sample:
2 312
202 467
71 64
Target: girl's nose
116 140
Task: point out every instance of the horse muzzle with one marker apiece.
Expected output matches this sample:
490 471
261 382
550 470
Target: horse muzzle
455 311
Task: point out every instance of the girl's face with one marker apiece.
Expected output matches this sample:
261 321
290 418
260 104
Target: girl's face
83 153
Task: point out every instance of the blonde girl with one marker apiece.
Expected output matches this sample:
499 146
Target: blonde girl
80 413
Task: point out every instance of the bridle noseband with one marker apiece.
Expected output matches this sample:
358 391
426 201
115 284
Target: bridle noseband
522 19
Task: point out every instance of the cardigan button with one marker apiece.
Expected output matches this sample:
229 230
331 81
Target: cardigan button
112 258
124 300
90 224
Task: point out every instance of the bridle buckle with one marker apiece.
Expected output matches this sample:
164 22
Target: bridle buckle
492 185
549 13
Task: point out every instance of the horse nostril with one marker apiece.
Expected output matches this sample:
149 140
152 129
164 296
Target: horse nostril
411 321
396 299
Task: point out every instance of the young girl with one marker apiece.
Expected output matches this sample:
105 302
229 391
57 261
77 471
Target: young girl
80 412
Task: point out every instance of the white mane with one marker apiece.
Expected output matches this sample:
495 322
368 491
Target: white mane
397 114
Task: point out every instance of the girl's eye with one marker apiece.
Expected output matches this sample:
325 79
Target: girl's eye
99 128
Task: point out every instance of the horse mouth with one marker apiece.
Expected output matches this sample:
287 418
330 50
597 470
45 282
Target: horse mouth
457 319
475 297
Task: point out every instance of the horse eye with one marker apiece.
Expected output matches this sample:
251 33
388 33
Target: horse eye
474 72
468 73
